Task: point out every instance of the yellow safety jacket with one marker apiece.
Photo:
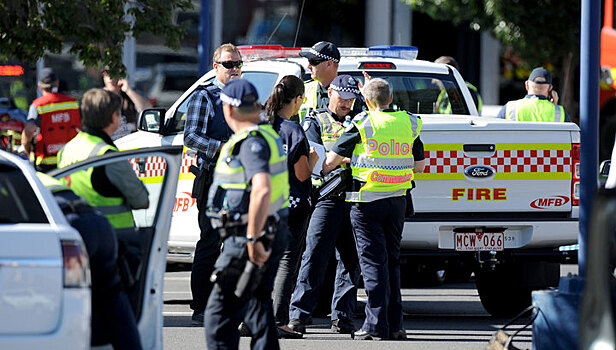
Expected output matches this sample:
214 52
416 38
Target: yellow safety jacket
383 162
230 174
82 147
51 183
331 129
310 99
534 110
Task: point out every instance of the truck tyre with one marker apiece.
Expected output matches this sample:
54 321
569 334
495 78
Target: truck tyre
501 291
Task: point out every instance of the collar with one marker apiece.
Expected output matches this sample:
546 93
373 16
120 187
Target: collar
536 97
334 115
219 84
99 133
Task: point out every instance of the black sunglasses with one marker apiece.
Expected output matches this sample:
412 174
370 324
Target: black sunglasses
231 64
315 61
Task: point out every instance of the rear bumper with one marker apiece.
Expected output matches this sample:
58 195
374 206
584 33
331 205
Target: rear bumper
73 331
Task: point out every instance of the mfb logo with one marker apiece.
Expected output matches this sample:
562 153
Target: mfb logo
549 202
478 171
183 202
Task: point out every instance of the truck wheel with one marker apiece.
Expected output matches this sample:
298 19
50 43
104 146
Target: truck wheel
501 291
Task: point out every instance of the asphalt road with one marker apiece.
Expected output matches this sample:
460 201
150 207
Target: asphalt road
444 317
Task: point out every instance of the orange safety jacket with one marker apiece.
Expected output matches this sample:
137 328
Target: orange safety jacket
60 122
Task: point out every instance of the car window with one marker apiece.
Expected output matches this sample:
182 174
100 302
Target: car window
18 203
263 81
178 82
422 93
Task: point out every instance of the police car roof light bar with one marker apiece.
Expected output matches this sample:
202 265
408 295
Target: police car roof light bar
260 52
393 51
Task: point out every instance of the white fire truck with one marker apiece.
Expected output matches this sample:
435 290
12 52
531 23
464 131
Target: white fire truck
497 198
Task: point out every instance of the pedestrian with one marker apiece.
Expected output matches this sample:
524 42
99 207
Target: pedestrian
329 229
113 321
56 115
206 131
284 102
249 203
540 103
382 175
323 59
113 189
471 88
132 103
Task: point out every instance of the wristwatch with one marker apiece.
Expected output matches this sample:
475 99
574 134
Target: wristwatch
252 239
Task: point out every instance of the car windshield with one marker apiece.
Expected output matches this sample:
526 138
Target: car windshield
263 81
422 93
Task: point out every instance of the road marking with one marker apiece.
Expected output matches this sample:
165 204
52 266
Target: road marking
177 313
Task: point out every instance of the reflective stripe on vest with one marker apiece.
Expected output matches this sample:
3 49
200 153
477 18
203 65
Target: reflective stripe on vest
331 129
534 110
384 159
230 174
82 147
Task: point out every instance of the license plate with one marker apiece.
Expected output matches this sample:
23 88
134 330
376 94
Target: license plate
477 241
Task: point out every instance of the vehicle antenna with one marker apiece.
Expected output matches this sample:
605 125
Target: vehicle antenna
299 22
275 29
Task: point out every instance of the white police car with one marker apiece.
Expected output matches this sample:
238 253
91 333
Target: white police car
44 272
414 89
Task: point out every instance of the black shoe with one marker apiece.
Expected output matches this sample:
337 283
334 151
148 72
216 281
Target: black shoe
244 331
363 335
197 319
287 333
398 335
343 326
297 326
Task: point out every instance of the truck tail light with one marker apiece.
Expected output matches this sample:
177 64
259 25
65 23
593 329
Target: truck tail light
76 265
575 172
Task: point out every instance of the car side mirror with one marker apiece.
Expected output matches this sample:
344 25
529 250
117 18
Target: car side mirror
150 120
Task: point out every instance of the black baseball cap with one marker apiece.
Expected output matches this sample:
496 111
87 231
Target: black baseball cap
540 72
346 86
239 93
324 50
48 76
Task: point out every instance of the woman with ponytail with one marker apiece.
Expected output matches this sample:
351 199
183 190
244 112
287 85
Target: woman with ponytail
284 102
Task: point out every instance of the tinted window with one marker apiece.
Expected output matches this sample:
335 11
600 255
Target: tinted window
422 93
263 81
178 83
18 203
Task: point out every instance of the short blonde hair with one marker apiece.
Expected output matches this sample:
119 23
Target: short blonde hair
225 47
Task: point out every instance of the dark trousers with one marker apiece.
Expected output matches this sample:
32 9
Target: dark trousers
378 231
225 311
329 229
289 263
208 246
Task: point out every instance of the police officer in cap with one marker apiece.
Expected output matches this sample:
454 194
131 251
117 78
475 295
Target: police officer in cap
329 229
385 149
248 203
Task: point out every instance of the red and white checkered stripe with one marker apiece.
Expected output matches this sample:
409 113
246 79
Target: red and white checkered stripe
154 166
516 161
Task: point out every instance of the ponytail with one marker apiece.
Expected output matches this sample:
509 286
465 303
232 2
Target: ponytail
283 93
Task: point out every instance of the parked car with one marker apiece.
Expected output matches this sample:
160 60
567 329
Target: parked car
169 81
44 272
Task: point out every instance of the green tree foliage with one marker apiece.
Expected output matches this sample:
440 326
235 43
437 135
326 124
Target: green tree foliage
539 31
94 29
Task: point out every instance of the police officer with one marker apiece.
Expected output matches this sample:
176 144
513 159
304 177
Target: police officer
248 202
205 132
57 116
384 147
329 229
113 189
113 321
540 103
323 59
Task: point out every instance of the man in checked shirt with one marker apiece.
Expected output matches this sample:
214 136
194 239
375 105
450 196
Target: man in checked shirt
206 131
